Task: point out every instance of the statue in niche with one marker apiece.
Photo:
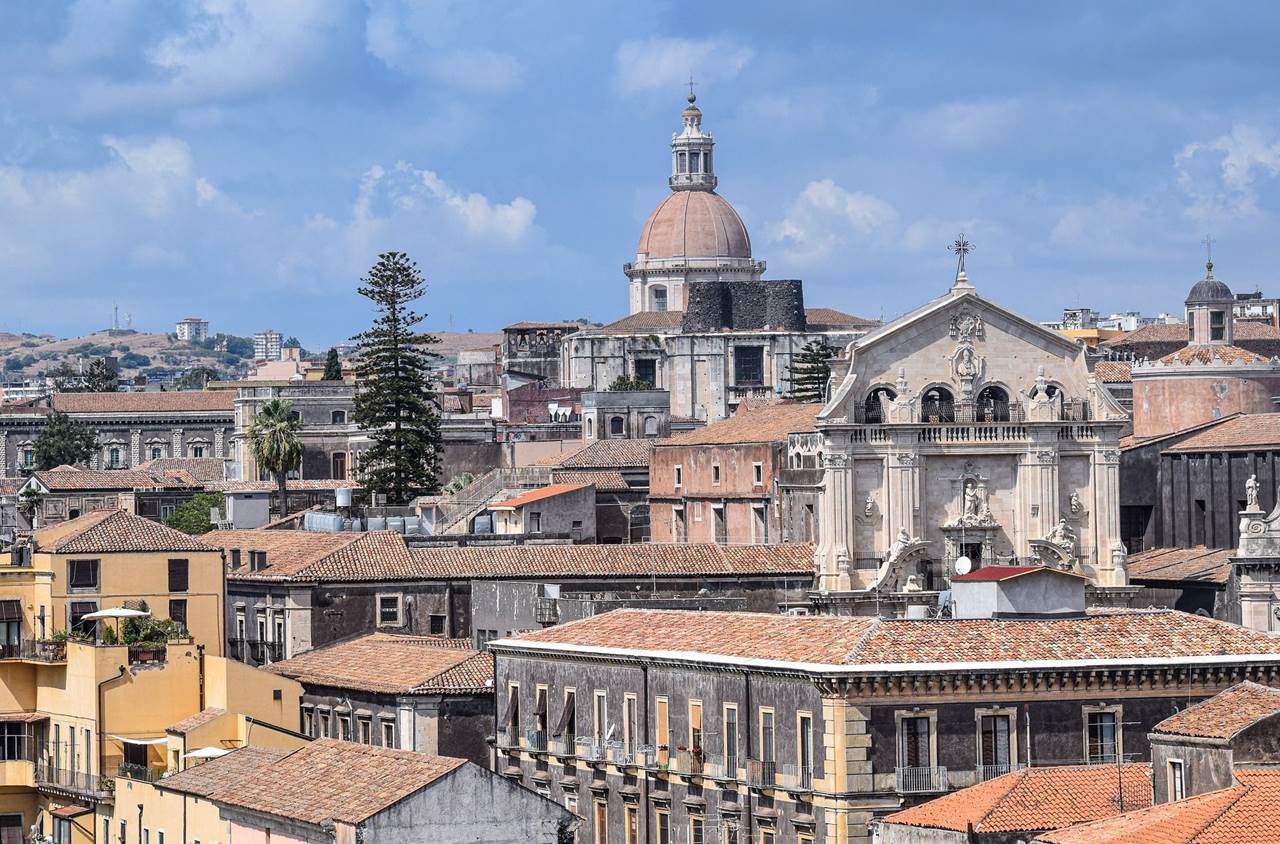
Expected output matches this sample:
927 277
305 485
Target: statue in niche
868 506
1075 504
972 502
1251 493
1063 537
966 362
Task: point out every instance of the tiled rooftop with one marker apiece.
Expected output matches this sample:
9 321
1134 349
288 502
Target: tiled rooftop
1035 799
313 555
834 642
113 531
1206 565
1224 714
608 454
386 663
534 495
606 480
1213 355
325 780
318 484
1113 371
818 317
200 468
645 322
762 423
196 721
219 401
68 478
1246 432
1241 814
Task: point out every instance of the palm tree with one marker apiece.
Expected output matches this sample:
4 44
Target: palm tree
274 443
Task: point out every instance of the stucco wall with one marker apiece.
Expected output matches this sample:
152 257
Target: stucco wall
1171 401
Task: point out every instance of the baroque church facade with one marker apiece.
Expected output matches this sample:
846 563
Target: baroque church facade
703 323
962 429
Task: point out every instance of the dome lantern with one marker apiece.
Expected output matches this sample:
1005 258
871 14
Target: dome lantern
691 167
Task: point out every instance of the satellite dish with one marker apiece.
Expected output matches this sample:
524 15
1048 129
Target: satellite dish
963 565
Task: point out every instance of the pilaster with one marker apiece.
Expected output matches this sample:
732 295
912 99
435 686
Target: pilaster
135 446
837 518
177 442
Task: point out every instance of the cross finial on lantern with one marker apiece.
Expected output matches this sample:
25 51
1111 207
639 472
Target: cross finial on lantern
1208 251
961 247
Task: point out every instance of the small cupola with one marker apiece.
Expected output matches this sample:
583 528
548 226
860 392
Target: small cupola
691 167
1209 311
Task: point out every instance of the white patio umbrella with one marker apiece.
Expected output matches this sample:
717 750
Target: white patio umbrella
117 613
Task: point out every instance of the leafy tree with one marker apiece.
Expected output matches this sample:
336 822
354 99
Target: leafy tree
133 360
274 443
100 377
810 370
629 382
63 441
12 364
332 367
192 516
396 404
66 378
196 378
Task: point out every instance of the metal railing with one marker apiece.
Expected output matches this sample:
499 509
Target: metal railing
35 649
564 746
988 772
508 737
762 774
921 780
588 748
535 739
141 773
49 776
146 654
797 777
688 761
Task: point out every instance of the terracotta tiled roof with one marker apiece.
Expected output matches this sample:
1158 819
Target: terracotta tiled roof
1224 714
636 560
312 555
833 641
10 486
1113 371
1139 442
533 324
222 772
830 316
63 479
557 458
114 531
1208 565
1213 355
384 663
318 484
1035 799
540 494
609 454
200 468
645 322
178 401
1241 814
766 423
604 481
196 721
1159 333
1242 433
326 779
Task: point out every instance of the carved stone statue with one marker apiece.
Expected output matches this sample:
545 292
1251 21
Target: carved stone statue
1075 504
868 505
966 365
972 502
1251 493
1063 537
903 540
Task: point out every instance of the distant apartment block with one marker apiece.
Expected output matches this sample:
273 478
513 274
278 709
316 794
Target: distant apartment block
192 329
1083 319
267 344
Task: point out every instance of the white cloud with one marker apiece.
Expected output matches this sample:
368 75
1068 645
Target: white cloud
428 39
1221 176
667 63
966 124
1112 226
825 217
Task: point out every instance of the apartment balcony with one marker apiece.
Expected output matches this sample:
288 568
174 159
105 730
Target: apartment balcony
989 772
140 773
508 738
720 768
797 778
34 650
687 762
535 740
20 772
77 783
563 746
762 774
588 749
616 752
922 780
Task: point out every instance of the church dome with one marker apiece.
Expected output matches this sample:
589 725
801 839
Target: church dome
694 224
1209 290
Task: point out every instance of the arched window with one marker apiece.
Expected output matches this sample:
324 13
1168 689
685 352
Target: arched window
993 405
651 426
591 427
338 417
658 298
873 408
616 426
938 405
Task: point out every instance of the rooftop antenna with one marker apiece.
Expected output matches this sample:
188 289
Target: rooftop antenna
115 316
1208 254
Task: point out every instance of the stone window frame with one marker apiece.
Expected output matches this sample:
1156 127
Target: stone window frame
899 715
1181 779
399 599
715 474
1116 709
678 475
757 474
763 511
814 742
983 711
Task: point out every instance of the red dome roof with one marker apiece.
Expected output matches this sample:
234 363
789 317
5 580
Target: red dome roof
694 224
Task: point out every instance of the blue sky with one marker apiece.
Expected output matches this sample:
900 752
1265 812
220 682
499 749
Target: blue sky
246 161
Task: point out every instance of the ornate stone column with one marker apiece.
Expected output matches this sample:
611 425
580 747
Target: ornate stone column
217 442
904 493
1106 511
135 447
177 442
4 454
836 524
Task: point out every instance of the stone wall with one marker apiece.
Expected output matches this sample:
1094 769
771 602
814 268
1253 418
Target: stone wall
745 305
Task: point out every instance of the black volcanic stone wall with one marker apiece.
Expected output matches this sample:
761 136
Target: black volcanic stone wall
745 305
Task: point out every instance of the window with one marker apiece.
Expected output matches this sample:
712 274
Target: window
76 613
757 474
1217 325
14 744
995 755
113 458
178 612
651 426
339 468
874 406
748 366
600 721
679 528
631 825
366 729
389 610
913 742
630 725
695 727
157 453
731 739
178 576
197 451
277 630
662 727
759 524
388 733
1191 325
338 417
659 299
240 623
602 822
938 405
28 458
344 727
696 830
682 163
767 837
322 723
1177 780
568 724
721 530
993 405
664 827
540 712
235 558
646 370
308 721
160 836
1101 737
616 426
436 624
61 831
767 738
535 523
715 474
146 836
804 748
730 834
82 575
693 162
679 475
